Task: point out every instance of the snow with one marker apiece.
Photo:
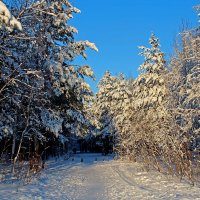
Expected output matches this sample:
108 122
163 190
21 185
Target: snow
7 19
52 121
91 45
98 178
4 11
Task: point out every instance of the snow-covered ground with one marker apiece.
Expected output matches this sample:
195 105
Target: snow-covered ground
98 178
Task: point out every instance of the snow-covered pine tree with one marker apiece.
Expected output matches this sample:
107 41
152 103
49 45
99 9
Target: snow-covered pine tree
150 131
102 105
109 103
151 79
38 79
8 23
120 108
148 106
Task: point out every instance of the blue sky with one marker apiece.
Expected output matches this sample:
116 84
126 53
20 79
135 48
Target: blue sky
118 27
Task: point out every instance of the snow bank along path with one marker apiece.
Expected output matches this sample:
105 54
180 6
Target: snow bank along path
98 178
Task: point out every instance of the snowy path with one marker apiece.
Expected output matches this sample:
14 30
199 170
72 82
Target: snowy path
99 180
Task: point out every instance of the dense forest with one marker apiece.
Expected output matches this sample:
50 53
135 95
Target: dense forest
47 108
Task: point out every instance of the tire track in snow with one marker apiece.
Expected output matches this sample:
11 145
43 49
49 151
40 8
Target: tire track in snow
150 185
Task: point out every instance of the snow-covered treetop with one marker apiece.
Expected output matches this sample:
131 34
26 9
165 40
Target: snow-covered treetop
7 20
149 90
154 58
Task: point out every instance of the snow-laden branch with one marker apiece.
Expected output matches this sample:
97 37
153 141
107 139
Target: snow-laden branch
7 20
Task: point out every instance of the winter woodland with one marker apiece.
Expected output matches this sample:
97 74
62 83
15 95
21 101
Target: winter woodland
46 104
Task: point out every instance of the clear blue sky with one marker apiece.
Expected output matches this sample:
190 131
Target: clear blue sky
119 26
